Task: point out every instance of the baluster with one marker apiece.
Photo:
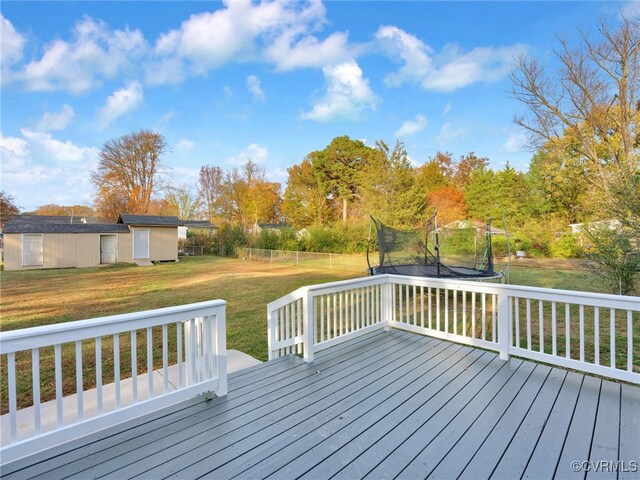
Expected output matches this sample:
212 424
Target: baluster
165 357
464 313
429 302
322 319
79 384
554 329
473 314
541 321
612 335
422 306
455 312
134 365
99 372
582 333
438 309
493 317
35 374
596 335
528 324
116 368
149 362
335 316
58 374
13 420
179 342
400 296
484 316
352 310
629 342
287 333
516 302
567 328
299 323
342 331
446 310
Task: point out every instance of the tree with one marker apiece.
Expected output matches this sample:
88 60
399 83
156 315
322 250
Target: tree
338 167
590 109
184 202
386 186
304 202
210 183
8 208
75 210
450 203
129 169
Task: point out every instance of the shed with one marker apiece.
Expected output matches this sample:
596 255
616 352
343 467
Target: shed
60 242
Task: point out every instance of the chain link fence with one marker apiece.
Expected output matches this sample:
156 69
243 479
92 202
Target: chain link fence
572 274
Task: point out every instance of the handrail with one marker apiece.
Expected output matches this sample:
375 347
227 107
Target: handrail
540 324
198 333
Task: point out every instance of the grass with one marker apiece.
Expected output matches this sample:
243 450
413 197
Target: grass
45 297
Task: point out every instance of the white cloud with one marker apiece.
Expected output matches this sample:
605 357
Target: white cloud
255 88
447 109
186 145
57 121
94 53
12 43
448 133
121 102
412 126
208 40
348 94
515 143
13 153
60 151
256 153
447 70
287 54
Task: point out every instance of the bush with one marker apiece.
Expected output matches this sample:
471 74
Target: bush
228 239
565 246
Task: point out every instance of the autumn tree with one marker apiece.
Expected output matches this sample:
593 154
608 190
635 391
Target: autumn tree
185 202
54 209
210 182
129 170
8 208
590 109
450 203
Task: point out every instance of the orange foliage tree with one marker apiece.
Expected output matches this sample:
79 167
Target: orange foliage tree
450 203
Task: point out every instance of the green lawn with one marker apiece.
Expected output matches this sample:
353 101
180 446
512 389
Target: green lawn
44 297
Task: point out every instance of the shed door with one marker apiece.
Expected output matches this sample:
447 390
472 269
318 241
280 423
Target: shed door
141 244
108 248
31 250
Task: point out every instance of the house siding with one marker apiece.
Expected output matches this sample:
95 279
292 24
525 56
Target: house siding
64 250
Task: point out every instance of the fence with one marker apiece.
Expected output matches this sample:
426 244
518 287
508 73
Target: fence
544 273
330 261
594 333
194 335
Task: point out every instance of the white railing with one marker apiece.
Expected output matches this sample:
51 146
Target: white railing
590 332
192 337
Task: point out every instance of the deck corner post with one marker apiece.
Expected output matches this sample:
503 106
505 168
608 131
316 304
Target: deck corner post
387 308
221 351
271 333
309 327
504 325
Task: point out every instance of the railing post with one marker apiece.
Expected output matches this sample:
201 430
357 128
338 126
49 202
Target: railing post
504 325
387 308
309 326
220 353
271 332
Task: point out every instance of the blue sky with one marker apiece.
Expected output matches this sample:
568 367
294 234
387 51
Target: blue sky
270 80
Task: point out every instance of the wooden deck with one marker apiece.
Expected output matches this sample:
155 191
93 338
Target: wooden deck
387 405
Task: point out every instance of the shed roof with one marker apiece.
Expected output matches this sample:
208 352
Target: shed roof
39 219
151 220
197 224
33 227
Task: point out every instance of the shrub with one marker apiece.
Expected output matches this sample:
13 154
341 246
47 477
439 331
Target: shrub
565 246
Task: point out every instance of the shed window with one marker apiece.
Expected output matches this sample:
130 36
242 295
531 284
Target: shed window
31 250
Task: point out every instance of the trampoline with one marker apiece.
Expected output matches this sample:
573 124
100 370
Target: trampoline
407 252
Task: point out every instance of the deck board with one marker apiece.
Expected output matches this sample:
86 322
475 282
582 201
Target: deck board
385 405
